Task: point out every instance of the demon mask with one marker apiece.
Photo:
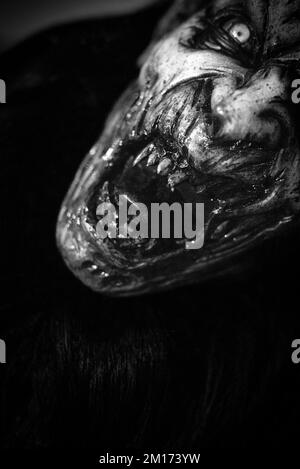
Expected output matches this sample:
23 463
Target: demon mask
209 120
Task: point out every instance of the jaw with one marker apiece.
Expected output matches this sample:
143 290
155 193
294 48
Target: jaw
151 154
128 267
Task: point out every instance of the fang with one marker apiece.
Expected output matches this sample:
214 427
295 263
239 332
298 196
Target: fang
144 154
164 167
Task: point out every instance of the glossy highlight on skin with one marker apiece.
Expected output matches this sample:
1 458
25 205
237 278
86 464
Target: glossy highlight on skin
208 120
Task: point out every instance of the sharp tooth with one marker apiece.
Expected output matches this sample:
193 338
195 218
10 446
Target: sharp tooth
105 190
176 178
153 158
164 166
144 154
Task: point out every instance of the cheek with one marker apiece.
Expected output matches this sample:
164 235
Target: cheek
170 64
151 70
223 87
163 64
149 75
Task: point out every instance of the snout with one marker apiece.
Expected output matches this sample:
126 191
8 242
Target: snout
253 111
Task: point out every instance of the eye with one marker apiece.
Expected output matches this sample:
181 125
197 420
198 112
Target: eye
239 31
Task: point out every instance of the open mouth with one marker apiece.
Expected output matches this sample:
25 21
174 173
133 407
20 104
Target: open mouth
157 165
154 174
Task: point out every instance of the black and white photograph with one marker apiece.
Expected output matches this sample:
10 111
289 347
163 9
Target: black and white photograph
150 228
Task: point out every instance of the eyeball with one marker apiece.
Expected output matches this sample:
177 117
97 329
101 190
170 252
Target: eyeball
239 31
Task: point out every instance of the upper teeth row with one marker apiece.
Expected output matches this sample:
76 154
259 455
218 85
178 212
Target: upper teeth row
165 165
149 152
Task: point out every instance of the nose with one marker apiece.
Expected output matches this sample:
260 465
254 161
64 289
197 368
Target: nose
252 112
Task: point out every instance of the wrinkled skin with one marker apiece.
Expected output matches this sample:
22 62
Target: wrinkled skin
208 120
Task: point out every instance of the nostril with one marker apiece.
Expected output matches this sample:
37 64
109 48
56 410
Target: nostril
221 110
220 115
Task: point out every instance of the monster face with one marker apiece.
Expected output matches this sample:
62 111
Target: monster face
207 121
